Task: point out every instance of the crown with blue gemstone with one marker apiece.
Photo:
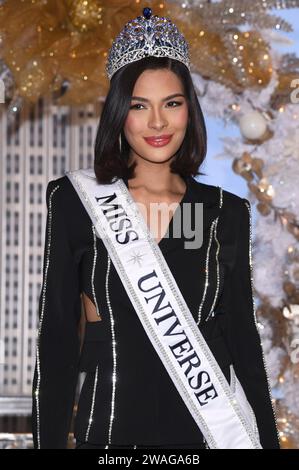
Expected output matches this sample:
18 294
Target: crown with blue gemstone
145 36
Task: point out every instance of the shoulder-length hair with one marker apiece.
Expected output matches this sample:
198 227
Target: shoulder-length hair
112 162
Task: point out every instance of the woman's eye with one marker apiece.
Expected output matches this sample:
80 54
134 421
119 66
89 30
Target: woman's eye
134 106
177 103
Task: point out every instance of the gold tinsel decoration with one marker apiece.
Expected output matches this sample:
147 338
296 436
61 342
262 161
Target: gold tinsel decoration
64 43
61 46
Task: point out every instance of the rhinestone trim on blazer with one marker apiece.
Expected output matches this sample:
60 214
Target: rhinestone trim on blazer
254 312
207 274
93 269
212 313
114 355
44 289
92 403
213 229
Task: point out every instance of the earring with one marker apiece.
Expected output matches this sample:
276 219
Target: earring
119 139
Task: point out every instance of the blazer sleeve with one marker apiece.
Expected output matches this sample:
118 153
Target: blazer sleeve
57 351
243 337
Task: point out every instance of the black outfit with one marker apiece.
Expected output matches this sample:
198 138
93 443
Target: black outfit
148 410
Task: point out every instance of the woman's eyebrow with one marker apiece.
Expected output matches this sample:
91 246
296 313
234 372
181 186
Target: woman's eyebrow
139 98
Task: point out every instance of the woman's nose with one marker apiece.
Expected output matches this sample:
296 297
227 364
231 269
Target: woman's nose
157 119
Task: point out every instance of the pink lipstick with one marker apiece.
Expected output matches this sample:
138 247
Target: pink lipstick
158 141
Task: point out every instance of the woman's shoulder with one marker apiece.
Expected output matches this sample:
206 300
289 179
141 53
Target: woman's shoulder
217 195
62 184
66 199
233 210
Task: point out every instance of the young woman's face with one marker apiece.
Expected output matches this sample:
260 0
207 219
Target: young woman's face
154 115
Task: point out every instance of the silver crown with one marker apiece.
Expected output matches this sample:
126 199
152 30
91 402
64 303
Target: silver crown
145 36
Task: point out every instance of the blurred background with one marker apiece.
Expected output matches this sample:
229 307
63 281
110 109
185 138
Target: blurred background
245 69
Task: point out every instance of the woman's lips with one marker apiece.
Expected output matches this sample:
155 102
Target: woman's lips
158 142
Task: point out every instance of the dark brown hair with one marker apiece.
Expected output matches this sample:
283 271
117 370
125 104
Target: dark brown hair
109 161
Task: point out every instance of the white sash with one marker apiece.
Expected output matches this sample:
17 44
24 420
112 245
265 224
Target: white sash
220 410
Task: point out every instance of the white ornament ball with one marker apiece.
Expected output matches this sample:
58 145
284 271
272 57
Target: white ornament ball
252 125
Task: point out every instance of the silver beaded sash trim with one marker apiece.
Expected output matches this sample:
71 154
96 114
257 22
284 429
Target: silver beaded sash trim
224 420
44 291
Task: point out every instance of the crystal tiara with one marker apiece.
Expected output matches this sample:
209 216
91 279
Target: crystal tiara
145 36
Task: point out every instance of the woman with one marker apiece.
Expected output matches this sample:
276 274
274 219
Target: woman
128 398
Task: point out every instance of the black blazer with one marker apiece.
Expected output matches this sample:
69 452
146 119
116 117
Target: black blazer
144 406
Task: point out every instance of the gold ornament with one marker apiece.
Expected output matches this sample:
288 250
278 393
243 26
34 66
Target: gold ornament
291 312
263 208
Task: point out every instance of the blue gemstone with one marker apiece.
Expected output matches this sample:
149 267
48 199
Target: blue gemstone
148 29
147 13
